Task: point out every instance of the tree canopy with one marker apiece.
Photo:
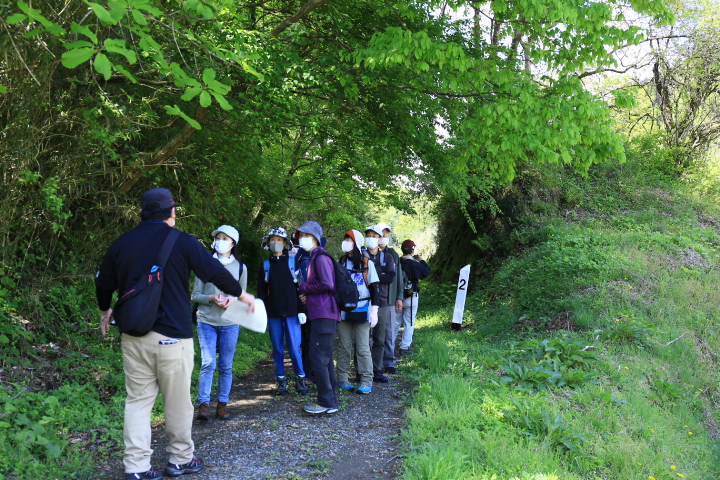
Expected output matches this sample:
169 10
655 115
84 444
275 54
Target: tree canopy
265 111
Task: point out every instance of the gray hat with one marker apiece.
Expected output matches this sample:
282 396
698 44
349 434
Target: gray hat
279 232
313 228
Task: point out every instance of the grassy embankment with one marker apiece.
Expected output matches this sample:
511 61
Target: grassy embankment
613 371
63 390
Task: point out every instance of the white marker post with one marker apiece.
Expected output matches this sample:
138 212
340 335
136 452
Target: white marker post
460 298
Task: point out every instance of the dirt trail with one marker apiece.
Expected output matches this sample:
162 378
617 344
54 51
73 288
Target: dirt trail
270 437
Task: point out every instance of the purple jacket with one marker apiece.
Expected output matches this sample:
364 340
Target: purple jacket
319 286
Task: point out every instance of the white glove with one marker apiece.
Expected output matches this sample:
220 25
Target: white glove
373 315
302 318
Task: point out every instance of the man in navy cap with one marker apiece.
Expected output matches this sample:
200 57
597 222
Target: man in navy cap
163 358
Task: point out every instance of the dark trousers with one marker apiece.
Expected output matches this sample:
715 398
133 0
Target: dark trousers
322 339
305 348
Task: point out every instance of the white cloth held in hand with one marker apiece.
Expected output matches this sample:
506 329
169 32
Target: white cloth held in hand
302 318
373 315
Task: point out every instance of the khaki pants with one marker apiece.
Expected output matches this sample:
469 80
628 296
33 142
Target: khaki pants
358 334
150 367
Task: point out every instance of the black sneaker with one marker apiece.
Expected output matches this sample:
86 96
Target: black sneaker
151 474
380 378
175 470
391 370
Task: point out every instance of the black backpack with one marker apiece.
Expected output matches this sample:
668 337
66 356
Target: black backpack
136 310
345 293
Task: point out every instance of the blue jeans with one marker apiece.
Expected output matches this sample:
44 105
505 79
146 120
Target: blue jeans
209 336
289 327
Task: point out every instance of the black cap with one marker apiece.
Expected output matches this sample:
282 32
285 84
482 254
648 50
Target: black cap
157 199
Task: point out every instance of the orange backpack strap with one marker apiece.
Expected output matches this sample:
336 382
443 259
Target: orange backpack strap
366 271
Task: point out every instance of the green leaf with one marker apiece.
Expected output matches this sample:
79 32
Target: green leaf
128 54
103 66
222 101
174 110
4 339
147 43
205 99
191 93
102 14
139 17
17 18
208 76
251 70
81 29
191 121
3 89
126 72
78 44
76 56
220 88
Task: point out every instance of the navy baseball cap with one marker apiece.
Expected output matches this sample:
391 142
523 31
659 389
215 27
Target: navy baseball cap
157 199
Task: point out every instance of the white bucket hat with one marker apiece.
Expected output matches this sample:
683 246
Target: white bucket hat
229 231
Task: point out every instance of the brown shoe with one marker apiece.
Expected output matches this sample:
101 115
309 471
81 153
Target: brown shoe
222 412
203 412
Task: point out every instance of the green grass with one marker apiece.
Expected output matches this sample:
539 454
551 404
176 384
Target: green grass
637 270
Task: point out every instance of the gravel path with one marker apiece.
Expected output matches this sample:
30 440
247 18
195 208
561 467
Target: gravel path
270 437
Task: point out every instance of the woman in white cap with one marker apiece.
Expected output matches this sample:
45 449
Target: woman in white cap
217 337
277 288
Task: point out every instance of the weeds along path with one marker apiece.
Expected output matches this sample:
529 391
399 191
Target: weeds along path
269 437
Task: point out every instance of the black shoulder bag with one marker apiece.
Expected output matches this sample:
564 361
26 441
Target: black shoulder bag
136 311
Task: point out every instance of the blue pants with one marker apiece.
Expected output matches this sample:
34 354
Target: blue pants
322 339
209 336
290 328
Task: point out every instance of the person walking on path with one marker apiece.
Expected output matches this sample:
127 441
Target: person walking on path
385 267
277 287
323 313
395 301
414 269
301 262
162 359
354 329
217 337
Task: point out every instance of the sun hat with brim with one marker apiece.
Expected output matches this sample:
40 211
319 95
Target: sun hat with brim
357 237
276 232
383 226
374 228
314 229
229 231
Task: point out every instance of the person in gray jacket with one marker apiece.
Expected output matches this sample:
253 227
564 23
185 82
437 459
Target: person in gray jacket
212 330
395 301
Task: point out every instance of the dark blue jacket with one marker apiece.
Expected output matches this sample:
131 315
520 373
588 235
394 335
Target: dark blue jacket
188 254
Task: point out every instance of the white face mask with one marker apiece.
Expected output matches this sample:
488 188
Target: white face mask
276 247
306 243
384 242
347 246
222 246
371 242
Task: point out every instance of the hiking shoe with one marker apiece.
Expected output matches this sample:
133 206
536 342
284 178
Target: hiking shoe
391 370
222 412
203 412
364 388
282 386
151 474
346 386
193 466
300 385
380 378
316 409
